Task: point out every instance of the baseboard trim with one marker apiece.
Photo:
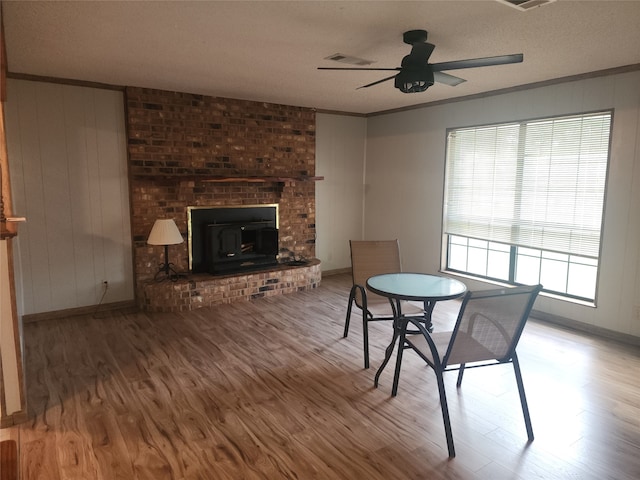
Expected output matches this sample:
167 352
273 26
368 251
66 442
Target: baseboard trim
337 271
585 328
14 419
74 312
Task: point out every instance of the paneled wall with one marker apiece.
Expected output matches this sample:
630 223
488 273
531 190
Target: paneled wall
68 165
405 179
340 159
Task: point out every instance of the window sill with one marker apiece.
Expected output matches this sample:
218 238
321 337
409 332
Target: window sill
554 296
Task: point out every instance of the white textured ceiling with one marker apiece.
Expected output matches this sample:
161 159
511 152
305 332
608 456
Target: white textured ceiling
269 50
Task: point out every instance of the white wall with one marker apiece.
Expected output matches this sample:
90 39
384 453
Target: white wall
68 167
405 177
68 172
340 155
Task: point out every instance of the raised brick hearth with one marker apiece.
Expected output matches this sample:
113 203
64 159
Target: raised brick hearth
201 290
194 150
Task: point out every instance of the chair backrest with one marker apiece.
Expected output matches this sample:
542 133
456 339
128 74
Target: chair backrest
373 257
489 324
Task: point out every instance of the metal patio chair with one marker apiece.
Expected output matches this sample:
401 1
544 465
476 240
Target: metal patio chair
487 331
369 258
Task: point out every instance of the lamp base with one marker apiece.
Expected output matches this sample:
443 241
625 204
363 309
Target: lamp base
166 270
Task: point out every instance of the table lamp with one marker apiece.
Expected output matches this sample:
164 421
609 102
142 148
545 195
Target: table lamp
165 232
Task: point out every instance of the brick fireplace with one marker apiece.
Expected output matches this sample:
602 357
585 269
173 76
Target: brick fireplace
188 150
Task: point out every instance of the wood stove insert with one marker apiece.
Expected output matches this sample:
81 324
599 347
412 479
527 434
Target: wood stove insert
226 240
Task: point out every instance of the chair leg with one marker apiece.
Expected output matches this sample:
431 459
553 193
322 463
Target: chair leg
523 398
348 319
428 312
445 414
460 373
365 336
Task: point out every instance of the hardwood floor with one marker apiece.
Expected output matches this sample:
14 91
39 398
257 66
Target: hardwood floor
271 390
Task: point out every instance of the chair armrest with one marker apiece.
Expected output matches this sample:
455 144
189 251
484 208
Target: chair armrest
363 295
435 361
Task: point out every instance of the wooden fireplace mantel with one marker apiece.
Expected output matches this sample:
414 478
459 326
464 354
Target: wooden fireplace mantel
229 179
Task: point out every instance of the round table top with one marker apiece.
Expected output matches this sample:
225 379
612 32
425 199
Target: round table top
416 286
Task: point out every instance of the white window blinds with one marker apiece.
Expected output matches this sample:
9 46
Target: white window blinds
537 184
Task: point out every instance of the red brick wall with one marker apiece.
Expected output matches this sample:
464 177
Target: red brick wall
176 141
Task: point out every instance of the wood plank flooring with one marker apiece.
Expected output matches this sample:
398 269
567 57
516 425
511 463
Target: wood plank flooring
271 390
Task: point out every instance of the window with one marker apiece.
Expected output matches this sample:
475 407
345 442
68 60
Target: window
524 201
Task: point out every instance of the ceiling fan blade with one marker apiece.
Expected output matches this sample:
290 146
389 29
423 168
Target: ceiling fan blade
355 68
447 79
477 62
375 83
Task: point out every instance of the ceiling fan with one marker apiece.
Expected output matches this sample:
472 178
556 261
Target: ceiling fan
416 74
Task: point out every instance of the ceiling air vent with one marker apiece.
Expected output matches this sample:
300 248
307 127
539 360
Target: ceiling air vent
351 60
524 5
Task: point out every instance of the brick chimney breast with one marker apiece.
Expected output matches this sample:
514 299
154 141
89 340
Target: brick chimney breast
177 142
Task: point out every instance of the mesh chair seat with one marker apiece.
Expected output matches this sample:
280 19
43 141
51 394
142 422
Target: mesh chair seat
470 350
381 307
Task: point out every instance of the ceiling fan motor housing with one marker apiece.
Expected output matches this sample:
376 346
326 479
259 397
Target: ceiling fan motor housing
414 80
414 36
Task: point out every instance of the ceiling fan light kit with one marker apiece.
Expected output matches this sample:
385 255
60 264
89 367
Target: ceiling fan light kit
416 74
413 81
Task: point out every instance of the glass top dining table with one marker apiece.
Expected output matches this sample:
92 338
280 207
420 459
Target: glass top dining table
422 287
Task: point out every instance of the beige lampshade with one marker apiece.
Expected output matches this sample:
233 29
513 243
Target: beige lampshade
165 232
